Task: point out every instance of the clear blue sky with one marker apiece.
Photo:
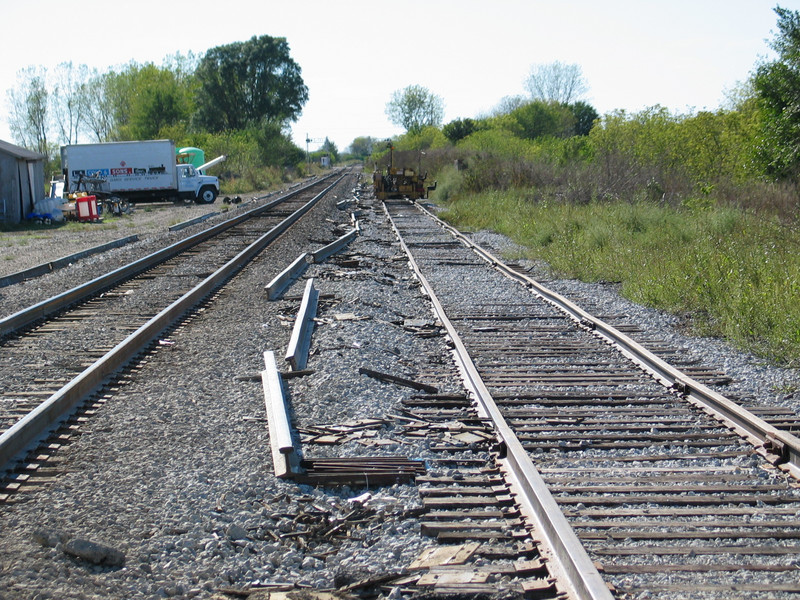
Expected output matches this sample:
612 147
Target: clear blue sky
353 54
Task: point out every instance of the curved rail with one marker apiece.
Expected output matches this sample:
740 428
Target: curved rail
780 447
36 423
568 553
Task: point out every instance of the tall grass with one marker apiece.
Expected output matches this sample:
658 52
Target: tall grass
731 273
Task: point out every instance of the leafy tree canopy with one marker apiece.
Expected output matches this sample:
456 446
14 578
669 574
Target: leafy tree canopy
585 116
246 83
415 108
459 129
777 84
147 99
541 119
361 147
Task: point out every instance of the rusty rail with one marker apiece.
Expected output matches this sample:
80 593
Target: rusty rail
780 447
568 554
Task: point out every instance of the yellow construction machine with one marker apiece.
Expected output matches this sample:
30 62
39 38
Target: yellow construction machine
399 182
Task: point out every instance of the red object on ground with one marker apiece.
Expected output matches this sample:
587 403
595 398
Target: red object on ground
86 208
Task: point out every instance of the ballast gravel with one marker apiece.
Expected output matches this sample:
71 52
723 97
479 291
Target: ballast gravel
169 491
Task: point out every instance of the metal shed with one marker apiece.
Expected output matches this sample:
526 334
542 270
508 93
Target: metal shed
21 181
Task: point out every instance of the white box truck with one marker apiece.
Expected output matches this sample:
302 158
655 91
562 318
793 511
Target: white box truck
136 171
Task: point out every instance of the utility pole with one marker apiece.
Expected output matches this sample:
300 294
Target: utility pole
311 141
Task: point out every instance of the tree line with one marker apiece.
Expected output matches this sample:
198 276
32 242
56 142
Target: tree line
236 99
747 152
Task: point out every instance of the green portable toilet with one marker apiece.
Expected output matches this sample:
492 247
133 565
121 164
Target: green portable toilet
190 156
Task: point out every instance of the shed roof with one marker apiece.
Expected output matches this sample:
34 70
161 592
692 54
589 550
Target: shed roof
19 151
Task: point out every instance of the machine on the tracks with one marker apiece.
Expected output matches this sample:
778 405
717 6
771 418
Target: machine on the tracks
399 182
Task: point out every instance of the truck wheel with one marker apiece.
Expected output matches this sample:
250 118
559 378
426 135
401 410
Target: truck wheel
207 195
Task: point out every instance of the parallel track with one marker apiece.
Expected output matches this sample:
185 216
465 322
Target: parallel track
667 499
57 352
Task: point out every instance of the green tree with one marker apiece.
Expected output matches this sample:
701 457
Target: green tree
361 147
276 146
247 83
329 147
585 117
541 119
147 99
415 108
459 129
777 84
28 115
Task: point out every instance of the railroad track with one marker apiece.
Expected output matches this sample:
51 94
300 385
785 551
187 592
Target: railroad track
641 478
58 351
666 499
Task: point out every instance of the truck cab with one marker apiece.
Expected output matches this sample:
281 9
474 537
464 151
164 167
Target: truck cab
196 187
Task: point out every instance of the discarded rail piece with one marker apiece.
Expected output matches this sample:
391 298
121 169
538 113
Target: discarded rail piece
278 285
319 255
284 457
297 352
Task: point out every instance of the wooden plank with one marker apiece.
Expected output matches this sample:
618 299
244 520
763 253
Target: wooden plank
385 377
669 488
456 515
460 536
468 501
717 511
434 527
460 491
738 524
458 578
678 500
444 555
687 535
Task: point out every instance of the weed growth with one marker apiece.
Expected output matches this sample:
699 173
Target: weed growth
733 274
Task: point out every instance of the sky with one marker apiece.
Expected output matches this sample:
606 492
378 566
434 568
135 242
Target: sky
685 55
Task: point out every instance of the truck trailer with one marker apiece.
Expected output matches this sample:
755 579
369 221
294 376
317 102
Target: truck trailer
136 171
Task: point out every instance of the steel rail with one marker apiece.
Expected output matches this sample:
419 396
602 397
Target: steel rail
284 455
318 256
300 340
779 447
577 571
56 303
38 422
282 280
